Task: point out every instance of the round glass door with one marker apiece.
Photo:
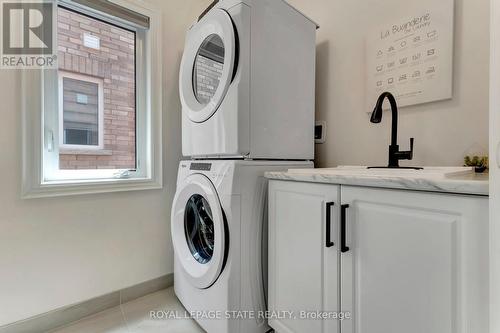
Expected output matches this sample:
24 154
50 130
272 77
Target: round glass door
208 67
199 228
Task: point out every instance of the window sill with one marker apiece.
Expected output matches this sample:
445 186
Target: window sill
69 188
95 152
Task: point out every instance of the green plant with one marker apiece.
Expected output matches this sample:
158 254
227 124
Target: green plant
476 161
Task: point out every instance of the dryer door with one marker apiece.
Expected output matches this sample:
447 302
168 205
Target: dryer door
199 231
207 65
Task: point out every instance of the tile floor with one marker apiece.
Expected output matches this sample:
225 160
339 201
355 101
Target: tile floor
134 317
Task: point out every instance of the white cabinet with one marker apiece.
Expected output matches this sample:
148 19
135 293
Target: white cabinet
303 261
407 261
417 262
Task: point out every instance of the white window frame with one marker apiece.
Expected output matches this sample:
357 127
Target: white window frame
100 111
40 133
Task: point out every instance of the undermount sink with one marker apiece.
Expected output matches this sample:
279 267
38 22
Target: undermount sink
381 172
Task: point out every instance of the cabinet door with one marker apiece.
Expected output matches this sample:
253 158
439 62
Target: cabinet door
417 262
303 263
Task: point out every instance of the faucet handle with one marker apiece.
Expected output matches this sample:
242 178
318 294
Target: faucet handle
408 154
412 142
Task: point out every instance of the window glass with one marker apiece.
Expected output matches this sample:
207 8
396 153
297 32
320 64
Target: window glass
80 112
208 68
99 58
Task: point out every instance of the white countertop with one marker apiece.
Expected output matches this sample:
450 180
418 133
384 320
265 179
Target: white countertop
459 182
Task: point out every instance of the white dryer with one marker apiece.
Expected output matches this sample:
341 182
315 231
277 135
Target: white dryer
219 232
247 82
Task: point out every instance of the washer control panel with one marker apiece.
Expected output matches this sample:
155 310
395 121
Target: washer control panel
217 171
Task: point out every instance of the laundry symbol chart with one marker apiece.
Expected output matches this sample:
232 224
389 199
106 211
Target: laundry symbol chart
412 56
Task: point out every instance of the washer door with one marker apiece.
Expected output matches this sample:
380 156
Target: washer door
198 231
207 65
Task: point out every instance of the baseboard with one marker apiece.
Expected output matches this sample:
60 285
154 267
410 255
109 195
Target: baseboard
71 313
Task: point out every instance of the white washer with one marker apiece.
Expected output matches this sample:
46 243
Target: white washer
247 82
219 232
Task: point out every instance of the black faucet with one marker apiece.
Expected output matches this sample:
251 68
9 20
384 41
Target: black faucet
394 154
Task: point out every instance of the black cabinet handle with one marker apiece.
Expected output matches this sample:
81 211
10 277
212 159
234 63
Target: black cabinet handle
343 212
329 206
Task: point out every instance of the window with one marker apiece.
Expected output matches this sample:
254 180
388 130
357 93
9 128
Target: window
97 98
101 109
81 112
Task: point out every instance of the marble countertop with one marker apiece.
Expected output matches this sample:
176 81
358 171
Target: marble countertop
470 183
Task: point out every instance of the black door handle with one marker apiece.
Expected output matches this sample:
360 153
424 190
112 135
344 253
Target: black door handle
343 212
329 206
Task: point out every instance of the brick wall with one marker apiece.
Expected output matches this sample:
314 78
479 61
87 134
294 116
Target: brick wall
113 62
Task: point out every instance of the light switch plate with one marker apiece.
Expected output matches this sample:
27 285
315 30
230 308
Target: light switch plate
320 132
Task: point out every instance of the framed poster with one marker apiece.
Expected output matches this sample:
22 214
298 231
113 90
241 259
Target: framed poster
412 56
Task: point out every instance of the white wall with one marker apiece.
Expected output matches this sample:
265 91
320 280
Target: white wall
59 251
443 131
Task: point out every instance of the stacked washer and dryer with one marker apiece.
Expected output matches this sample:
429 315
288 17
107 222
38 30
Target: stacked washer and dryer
247 82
